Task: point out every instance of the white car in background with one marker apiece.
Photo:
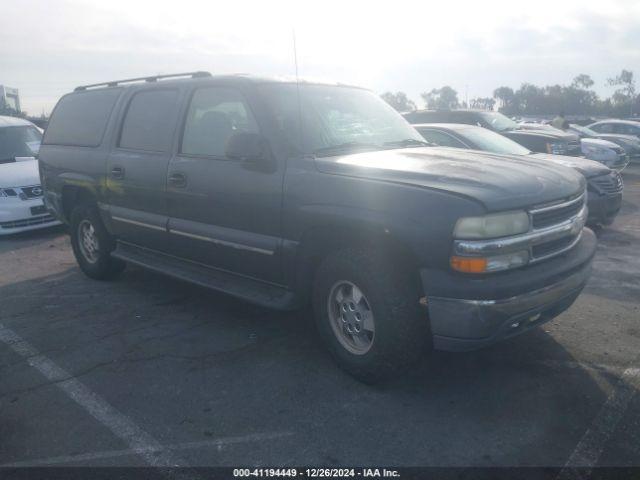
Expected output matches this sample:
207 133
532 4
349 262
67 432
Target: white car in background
21 205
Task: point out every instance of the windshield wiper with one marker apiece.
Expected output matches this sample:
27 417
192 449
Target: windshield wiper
346 146
408 142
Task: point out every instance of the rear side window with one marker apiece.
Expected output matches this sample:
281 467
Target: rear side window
80 119
150 121
215 114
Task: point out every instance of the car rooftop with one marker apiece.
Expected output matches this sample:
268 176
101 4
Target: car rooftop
617 120
204 77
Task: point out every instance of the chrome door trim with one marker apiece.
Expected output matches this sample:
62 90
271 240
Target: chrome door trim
139 224
226 243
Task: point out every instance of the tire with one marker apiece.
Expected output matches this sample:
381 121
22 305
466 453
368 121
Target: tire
94 258
390 295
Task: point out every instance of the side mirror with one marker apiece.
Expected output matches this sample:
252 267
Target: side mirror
247 147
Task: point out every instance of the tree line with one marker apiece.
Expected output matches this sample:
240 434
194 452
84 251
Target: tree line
575 99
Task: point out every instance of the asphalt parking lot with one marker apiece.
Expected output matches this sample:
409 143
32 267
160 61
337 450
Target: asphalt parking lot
149 370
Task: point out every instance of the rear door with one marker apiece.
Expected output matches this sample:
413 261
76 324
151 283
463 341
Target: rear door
137 167
223 212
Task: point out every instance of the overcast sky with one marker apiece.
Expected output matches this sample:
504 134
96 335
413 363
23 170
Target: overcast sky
47 47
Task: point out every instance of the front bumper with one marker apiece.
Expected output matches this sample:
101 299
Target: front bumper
17 215
482 311
603 208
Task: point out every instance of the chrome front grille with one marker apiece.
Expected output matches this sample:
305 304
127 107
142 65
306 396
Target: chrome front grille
546 215
553 229
561 226
32 192
24 193
607 184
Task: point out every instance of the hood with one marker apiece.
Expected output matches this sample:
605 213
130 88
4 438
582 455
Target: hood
499 182
597 142
588 168
19 174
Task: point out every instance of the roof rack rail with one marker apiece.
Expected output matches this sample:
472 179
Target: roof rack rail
154 78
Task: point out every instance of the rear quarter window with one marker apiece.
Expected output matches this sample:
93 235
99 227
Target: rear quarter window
80 119
150 120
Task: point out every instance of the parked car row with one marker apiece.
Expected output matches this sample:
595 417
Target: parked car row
604 186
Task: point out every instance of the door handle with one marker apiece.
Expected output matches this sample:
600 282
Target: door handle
117 173
178 180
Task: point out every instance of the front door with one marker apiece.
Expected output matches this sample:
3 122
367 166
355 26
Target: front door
223 212
137 168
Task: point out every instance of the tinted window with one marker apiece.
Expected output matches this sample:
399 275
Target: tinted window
603 128
81 118
627 129
23 141
426 117
214 115
150 121
440 138
488 141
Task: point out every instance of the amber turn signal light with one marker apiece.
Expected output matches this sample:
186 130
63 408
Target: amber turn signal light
469 264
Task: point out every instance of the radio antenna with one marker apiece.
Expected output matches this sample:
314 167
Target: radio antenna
295 61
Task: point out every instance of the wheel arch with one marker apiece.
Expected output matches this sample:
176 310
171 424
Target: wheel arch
319 241
73 195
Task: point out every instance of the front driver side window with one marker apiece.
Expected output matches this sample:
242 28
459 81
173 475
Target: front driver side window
215 114
440 138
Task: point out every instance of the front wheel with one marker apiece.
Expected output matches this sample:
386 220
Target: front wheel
92 244
367 312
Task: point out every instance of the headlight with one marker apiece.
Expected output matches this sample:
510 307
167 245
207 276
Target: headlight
557 148
492 226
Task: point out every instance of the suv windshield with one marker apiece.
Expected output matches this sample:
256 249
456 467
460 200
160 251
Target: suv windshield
337 119
23 141
493 142
498 122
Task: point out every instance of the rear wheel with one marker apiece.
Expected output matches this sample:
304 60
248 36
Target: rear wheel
92 244
367 312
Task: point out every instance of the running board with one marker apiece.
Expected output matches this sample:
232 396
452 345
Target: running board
251 290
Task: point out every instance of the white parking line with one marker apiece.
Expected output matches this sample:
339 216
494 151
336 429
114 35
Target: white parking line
587 453
83 457
139 441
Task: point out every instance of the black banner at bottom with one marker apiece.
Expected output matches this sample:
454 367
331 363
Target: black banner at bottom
347 473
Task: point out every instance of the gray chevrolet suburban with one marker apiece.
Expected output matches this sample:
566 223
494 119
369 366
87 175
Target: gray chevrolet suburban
287 193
